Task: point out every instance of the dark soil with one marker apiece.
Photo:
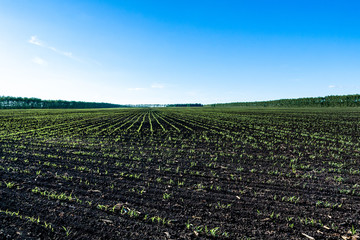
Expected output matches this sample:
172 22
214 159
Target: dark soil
224 174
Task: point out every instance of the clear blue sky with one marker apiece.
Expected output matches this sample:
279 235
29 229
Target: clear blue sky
179 51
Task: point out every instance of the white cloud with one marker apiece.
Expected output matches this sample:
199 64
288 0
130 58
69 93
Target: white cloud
34 40
332 86
39 61
157 85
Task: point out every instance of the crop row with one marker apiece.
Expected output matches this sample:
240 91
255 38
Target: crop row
185 172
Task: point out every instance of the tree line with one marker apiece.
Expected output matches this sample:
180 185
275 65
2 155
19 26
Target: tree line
185 105
36 103
32 103
328 101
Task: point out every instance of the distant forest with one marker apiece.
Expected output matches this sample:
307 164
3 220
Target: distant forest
29 103
328 101
185 105
36 103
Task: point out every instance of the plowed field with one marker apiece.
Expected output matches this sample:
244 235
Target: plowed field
171 173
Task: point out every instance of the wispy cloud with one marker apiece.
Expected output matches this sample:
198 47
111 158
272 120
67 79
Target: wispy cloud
34 40
331 86
157 85
39 61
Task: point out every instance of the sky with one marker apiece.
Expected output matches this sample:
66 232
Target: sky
179 51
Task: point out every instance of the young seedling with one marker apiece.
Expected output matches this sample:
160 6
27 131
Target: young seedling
67 231
353 230
188 224
214 231
166 196
9 184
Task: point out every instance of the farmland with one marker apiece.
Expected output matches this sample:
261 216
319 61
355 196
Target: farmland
180 173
